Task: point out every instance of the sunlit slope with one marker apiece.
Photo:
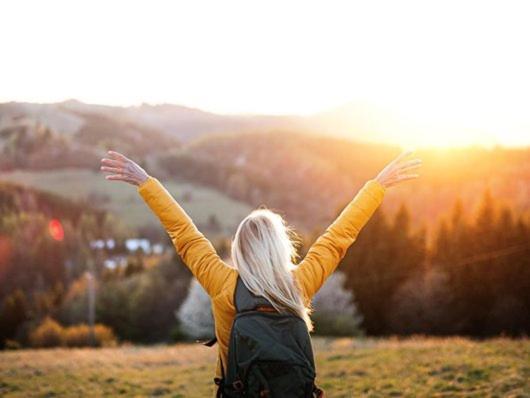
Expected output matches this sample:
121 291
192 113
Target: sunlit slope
310 177
16 198
307 177
123 200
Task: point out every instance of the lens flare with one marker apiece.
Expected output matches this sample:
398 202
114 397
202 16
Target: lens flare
56 230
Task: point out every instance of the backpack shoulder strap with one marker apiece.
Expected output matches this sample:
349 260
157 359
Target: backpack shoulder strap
245 300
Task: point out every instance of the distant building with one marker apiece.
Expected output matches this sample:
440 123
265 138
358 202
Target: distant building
131 245
103 244
134 244
115 262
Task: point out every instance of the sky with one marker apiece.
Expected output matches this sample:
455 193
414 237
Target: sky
463 65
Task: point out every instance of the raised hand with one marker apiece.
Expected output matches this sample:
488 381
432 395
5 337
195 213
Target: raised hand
399 170
122 169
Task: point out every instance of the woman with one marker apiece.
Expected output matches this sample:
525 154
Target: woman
262 251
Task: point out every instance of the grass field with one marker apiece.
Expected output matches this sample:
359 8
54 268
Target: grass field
124 201
412 367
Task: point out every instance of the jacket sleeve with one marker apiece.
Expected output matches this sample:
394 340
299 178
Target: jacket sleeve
195 250
329 249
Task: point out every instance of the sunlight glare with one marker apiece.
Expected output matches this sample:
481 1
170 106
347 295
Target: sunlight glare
458 66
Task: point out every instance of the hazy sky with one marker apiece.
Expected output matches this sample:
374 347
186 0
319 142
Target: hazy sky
462 63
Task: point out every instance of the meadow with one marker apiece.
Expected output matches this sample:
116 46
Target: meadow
369 367
124 202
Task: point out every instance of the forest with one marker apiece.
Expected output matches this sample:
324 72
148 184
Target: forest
445 255
471 278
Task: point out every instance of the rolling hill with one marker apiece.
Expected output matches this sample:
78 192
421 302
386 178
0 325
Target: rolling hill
213 211
310 178
243 161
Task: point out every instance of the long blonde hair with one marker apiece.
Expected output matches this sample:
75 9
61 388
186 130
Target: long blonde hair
263 251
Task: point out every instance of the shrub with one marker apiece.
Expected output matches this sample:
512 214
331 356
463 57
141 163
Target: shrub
79 336
141 308
337 325
48 334
51 334
425 303
195 314
12 345
177 334
105 337
335 313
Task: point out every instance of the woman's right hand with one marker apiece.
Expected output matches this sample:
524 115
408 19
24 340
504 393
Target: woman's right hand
123 169
399 170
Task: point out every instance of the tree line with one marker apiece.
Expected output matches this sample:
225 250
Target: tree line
470 277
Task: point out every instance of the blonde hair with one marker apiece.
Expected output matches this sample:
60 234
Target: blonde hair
263 251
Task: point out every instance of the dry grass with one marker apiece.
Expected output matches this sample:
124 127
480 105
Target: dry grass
412 367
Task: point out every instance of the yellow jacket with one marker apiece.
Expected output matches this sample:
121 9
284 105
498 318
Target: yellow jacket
219 279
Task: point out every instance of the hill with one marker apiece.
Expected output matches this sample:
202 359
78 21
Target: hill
360 121
165 121
279 161
49 136
213 211
16 198
310 178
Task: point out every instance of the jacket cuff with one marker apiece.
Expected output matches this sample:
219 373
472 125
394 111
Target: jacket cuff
376 189
146 184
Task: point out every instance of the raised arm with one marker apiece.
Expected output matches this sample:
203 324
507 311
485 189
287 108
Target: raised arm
328 250
195 250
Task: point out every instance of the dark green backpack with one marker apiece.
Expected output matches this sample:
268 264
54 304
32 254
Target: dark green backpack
269 353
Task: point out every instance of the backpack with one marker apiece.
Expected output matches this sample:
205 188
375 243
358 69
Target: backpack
269 353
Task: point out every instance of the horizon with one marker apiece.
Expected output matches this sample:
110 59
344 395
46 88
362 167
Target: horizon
428 147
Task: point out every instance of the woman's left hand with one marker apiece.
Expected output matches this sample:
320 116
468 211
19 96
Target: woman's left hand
123 169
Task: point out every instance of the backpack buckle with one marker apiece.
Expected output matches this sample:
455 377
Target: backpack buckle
318 392
220 387
238 385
